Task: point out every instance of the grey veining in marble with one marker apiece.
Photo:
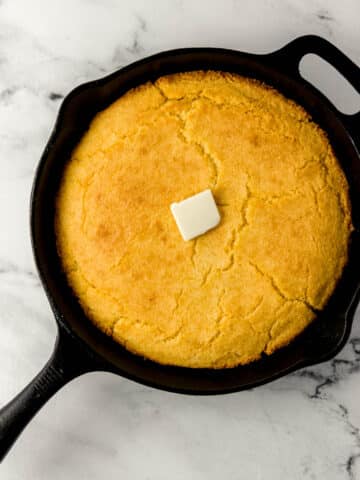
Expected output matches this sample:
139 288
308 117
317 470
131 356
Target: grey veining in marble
304 426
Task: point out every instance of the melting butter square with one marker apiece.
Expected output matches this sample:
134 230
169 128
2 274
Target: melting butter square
196 215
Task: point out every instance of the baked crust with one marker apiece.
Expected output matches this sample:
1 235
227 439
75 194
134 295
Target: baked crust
247 287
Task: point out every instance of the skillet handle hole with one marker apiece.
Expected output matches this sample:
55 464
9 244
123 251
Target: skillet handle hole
330 82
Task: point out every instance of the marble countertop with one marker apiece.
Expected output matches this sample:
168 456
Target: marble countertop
304 426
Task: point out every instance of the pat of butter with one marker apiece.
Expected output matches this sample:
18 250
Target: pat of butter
196 215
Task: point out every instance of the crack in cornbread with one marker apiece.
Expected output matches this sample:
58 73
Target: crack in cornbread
245 288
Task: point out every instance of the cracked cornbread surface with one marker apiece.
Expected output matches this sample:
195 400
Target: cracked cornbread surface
245 288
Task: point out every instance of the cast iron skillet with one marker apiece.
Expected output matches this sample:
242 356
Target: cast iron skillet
80 347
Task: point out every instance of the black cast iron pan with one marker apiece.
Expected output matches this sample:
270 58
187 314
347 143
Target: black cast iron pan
80 347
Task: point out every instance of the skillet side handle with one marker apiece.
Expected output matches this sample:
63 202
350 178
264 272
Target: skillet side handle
66 363
288 59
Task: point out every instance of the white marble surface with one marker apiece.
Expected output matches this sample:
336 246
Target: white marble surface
304 426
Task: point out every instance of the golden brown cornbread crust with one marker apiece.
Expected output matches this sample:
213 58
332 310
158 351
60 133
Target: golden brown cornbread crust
247 287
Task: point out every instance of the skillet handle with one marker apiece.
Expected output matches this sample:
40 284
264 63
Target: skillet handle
66 363
288 58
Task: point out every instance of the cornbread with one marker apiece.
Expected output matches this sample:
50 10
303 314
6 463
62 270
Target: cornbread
243 289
